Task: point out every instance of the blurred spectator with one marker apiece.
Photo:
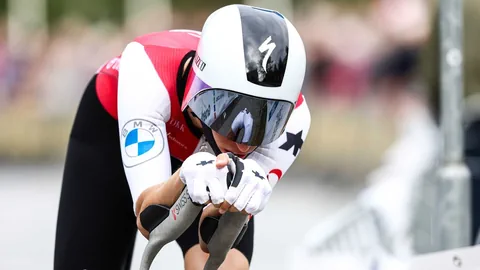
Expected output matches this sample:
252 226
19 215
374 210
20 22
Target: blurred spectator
340 45
402 22
5 93
74 53
13 67
412 156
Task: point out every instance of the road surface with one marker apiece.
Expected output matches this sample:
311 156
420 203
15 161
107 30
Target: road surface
29 200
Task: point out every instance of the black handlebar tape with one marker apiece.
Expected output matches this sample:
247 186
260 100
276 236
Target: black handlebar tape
210 225
240 235
153 215
208 228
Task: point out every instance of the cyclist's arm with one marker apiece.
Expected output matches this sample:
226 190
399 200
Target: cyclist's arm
277 157
143 105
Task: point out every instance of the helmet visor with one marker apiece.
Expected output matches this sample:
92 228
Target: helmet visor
241 118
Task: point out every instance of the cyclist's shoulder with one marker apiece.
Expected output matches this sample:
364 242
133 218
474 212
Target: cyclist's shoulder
175 38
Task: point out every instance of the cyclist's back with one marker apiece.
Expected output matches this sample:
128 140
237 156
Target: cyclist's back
167 51
96 125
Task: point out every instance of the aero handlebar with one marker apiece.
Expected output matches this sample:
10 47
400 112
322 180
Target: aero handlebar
166 224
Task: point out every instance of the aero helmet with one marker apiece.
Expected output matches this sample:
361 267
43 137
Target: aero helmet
247 74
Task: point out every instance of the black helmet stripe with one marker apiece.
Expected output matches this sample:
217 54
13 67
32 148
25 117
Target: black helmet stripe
265 45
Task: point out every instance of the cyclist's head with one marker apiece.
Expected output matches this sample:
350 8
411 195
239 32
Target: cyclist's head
247 74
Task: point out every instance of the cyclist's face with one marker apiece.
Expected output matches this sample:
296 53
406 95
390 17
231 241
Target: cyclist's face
226 145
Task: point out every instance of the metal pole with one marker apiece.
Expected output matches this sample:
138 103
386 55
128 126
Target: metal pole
453 177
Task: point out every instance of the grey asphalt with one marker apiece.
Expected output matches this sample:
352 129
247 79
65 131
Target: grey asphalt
28 207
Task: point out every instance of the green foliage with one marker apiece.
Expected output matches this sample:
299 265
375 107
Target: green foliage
3 7
112 10
205 4
92 10
341 3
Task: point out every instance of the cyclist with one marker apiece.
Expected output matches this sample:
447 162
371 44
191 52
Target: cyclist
142 115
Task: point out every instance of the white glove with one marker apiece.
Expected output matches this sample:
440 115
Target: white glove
253 190
199 172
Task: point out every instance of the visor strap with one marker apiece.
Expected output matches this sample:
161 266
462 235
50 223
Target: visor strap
209 136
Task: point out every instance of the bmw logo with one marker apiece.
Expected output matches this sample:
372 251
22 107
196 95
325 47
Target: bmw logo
138 142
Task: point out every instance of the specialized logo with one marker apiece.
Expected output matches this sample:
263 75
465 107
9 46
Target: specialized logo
141 141
176 209
267 46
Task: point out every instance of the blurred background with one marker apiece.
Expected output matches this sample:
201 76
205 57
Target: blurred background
372 88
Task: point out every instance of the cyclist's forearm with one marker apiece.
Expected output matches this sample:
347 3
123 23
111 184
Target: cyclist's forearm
165 193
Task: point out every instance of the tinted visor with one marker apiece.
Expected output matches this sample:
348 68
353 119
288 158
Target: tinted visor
241 118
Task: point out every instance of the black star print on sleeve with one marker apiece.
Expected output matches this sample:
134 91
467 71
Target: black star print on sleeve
293 140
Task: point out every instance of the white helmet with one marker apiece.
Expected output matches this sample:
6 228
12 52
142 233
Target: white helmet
247 74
